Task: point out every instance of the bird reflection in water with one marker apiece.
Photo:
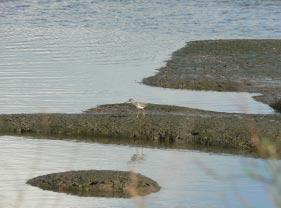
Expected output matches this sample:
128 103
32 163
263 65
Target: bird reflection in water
138 156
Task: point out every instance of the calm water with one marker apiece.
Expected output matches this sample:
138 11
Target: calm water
188 178
67 56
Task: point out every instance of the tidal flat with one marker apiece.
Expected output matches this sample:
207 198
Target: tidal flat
97 183
242 65
220 65
68 56
161 126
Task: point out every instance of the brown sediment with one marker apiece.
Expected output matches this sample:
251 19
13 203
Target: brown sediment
251 65
162 126
276 105
97 183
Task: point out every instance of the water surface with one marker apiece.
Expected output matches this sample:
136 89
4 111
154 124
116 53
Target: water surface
188 178
67 56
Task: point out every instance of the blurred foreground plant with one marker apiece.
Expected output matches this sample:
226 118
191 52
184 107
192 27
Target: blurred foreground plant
272 176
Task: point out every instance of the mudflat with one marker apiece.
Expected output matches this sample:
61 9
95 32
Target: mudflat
221 65
100 183
161 126
248 65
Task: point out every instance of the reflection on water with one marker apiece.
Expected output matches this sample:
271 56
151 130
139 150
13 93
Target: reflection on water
188 178
67 56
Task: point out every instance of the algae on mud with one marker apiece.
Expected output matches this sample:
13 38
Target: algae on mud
162 126
248 65
98 183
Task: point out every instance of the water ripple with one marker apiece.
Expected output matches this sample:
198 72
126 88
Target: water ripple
102 49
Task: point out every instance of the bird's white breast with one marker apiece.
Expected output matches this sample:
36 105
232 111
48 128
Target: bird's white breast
140 106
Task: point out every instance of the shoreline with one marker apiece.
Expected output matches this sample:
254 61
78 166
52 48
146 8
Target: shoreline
162 126
235 65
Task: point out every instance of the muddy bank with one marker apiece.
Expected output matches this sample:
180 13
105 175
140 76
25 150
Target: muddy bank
99 183
276 105
162 126
225 65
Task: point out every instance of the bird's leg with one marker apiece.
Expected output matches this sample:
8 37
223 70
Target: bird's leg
138 113
143 112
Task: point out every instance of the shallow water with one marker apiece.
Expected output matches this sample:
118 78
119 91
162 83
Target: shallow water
188 178
67 56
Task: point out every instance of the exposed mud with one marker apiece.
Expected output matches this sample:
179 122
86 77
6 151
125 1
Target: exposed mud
225 65
161 126
98 183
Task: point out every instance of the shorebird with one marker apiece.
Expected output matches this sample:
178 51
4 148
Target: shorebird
139 105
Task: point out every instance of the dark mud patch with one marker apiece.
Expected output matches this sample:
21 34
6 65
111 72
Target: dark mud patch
225 65
161 126
97 183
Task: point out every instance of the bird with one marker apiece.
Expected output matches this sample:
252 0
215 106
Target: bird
139 105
